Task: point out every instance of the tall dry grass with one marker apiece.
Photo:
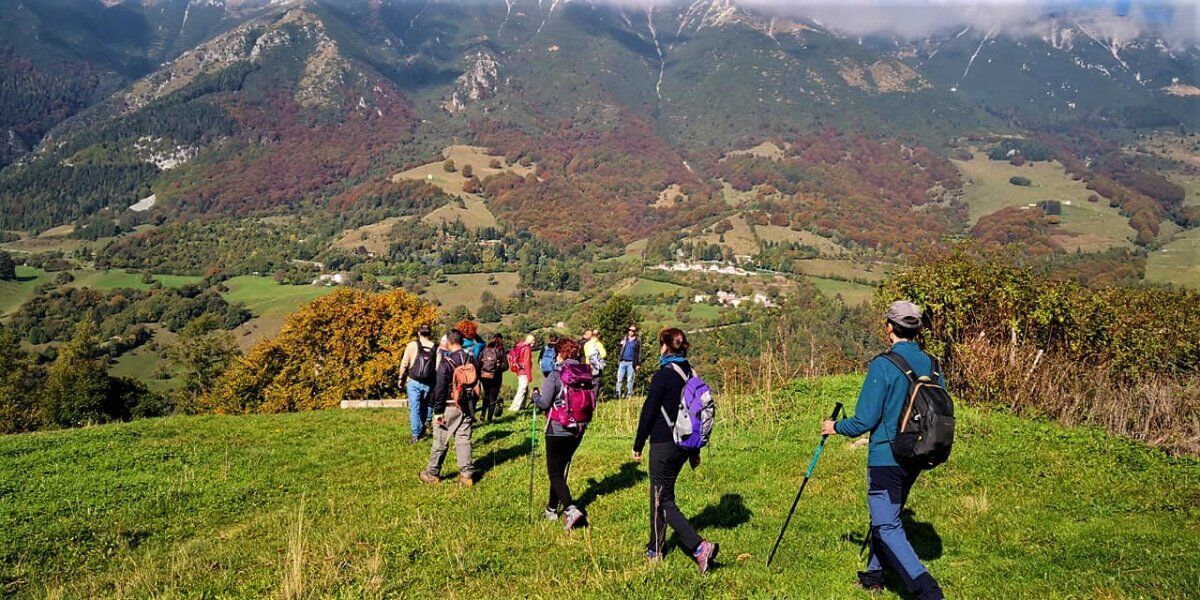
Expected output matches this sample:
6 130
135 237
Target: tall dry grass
1160 410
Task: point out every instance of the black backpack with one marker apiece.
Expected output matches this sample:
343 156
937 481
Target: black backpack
925 433
492 361
424 366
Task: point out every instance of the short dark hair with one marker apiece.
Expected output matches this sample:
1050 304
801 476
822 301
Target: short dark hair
675 340
425 331
553 338
904 333
454 338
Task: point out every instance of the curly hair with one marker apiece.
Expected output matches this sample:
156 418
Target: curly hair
467 328
567 348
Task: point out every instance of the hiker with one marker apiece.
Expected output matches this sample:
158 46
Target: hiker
454 397
594 352
569 396
493 362
472 343
418 366
520 360
547 358
659 412
883 395
631 360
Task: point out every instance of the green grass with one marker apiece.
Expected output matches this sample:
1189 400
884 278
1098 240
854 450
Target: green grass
14 293
467 289
221 506
650 287
1177 262
852 293
265 296
113 279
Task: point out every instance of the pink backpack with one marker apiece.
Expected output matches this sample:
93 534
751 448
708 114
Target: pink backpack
573 409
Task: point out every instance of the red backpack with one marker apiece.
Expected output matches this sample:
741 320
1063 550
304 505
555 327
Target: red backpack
573 409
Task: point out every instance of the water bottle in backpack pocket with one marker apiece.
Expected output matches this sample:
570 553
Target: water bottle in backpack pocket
693 424
574 407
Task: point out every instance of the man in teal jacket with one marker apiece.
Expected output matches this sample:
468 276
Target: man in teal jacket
883 395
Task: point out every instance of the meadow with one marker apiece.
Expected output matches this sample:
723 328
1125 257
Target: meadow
328 504
988 190
467 289
1177 262
851 293
14 293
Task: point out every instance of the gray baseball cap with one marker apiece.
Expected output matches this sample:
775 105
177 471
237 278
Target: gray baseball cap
905 314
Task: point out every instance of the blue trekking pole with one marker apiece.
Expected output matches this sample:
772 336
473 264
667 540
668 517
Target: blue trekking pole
812 464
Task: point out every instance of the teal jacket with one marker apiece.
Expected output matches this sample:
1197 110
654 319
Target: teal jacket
882 396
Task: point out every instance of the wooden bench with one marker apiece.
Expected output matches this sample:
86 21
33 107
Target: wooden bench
385 403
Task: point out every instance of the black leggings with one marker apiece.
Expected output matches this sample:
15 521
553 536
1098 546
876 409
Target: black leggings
491 397
559 451
666 461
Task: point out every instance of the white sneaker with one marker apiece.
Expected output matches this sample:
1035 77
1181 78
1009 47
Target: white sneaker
550 514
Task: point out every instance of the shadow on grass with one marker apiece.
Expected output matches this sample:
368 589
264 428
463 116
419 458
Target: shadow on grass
628 476
730 512
922 536
495 458
493 435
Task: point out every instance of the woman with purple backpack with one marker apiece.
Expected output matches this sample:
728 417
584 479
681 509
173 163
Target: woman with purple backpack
568 397
658 423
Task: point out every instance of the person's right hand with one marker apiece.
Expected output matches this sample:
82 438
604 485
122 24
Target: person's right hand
637 456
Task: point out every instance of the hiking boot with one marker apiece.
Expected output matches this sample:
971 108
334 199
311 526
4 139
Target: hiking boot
414 441
705 555
571 517
465 480
427 477
550 514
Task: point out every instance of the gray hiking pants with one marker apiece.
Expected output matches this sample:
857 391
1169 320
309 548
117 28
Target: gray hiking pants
457 426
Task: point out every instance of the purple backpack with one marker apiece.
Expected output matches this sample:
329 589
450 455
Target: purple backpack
573 409
694 421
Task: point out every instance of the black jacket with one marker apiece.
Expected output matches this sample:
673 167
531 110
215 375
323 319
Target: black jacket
637 350
447 362
666 387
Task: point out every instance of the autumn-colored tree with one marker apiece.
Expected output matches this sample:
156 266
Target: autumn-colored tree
468 171
346 345
448 166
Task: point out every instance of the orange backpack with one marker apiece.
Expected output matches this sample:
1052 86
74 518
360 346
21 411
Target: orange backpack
464 389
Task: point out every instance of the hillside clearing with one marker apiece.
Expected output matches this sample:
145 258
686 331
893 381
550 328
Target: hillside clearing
238 506
14 293
473 213
778 233
265 296
843 269
467 289
988 190
115 279
852 293
452 183
375 238
1177 262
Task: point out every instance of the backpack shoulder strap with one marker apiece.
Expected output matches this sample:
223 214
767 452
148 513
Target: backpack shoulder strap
901 364
678 369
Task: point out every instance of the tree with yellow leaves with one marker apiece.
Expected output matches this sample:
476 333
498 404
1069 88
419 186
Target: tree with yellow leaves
346 345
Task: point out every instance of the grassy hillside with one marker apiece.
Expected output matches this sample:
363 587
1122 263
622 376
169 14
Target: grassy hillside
328 503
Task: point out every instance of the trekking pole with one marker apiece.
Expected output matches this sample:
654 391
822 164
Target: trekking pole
812 464
532 445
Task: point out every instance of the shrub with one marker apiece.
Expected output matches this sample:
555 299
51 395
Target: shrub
448 166
1021 181
467 171
345 345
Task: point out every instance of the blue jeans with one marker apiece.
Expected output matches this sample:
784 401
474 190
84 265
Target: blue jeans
419 410
625 372
887 492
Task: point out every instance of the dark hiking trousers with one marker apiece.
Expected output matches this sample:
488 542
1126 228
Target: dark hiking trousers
559 451
666 461
491 398
887 492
